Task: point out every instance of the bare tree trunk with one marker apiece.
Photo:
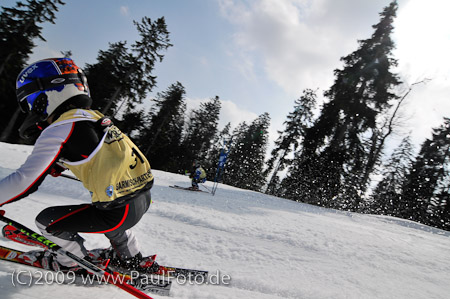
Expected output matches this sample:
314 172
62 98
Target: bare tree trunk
111 101
378 142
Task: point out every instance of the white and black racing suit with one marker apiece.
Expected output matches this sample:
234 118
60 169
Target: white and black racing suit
110 167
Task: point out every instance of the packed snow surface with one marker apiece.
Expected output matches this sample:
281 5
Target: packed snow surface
257 246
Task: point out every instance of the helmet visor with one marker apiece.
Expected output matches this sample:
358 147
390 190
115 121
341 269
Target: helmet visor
27 103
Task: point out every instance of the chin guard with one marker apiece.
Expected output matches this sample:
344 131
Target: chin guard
32 127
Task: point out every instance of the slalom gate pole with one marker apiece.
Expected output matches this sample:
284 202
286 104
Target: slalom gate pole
214 188
216 179
110 278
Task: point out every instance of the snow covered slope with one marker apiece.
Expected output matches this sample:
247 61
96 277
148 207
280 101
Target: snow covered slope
270 247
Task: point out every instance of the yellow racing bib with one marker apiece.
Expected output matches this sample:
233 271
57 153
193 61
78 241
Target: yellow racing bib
115 168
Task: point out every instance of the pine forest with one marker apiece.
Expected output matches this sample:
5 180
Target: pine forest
330 153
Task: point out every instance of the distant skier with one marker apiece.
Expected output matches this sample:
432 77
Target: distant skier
198 175
55 94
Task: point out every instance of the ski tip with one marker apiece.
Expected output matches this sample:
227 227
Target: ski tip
2 212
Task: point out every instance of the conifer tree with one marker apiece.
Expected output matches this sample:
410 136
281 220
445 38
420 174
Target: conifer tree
288 141
212 158
335 150
245 168
160 141
122 75
201 127
108 74
19 27
133 122
426 189
388 192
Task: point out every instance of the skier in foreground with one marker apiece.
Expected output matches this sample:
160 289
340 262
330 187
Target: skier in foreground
55 94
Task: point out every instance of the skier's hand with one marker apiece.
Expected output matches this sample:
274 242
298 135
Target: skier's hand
56 170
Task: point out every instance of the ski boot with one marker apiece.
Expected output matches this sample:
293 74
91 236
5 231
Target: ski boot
138 263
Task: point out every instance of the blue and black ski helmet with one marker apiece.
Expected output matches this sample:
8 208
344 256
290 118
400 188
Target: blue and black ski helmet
44 85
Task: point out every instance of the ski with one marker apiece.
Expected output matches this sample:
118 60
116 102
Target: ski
186 188
173 272
12 233
142 282
111 278
190 274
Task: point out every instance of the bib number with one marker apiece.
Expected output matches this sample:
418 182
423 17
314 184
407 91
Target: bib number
137 155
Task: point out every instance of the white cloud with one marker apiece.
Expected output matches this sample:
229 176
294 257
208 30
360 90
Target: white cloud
423 47
229 112
298 44
125 11
422 36
300 41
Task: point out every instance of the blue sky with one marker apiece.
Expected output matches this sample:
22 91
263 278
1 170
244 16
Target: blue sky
258 56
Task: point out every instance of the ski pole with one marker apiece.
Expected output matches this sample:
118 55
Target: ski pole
206 188
69 177
110 278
